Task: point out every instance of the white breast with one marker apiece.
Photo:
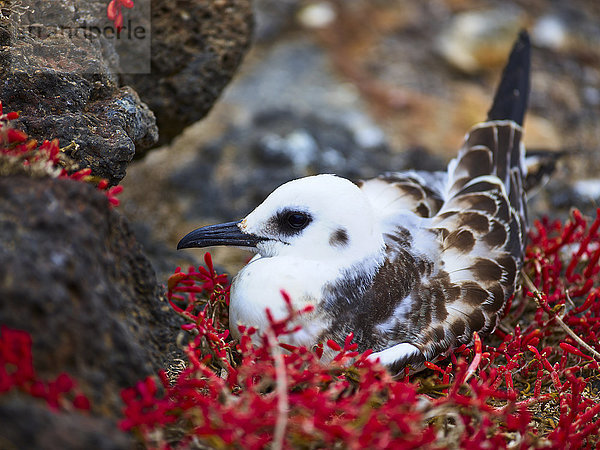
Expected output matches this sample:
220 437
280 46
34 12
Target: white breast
258 286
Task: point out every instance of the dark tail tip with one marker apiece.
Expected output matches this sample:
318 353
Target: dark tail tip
510 101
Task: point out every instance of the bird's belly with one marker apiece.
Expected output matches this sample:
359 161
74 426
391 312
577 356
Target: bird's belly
261 285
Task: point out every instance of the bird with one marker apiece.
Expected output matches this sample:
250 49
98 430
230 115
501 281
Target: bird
412 263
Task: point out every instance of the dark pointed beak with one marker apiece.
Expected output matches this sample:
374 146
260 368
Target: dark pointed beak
220 234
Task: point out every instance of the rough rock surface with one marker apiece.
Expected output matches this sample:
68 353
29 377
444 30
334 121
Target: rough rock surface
65 85
27 423
197 47
72 274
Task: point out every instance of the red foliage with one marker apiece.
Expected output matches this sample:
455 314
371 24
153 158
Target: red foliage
265 394
46 158
536 386
114 13
17 372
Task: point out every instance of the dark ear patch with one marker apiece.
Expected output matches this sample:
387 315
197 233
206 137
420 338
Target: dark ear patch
339 238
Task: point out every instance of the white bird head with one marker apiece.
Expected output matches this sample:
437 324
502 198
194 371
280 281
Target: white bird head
321 217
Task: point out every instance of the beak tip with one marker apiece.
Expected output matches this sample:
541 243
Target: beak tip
188 241
221 234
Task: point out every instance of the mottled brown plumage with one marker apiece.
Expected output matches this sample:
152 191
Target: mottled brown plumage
477 226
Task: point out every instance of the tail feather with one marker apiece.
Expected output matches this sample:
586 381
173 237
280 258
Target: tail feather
494 148
512 95
481 225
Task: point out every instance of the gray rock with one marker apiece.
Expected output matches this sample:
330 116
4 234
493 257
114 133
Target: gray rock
107 132
564 195
34 426
197 47
273 18
72 275
66 87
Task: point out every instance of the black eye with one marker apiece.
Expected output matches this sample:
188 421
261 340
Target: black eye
290 222
297 220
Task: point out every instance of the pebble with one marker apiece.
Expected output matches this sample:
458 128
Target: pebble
477 41
591 95
366 133
317 15
549 32
588 189
298 147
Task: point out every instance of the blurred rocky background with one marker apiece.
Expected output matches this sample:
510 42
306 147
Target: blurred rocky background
356 87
